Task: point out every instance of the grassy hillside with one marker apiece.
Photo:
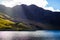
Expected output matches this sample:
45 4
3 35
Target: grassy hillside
6 24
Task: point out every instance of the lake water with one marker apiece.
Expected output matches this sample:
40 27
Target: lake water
30 35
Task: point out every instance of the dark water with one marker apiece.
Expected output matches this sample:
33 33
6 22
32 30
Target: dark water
32 35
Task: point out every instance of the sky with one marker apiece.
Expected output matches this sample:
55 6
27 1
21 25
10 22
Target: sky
52 5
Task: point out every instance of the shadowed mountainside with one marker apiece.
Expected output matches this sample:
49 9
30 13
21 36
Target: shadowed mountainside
38 14
33 15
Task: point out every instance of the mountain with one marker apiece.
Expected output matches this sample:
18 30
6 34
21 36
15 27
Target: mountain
37 14
34 16
7 24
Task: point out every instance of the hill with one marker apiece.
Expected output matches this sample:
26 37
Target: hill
6 23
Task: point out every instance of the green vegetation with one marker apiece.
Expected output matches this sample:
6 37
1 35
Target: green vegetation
6 24
10 25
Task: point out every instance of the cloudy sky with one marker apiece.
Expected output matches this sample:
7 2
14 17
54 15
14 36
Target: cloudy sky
46 4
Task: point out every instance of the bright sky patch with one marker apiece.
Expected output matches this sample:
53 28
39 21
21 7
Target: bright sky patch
40 3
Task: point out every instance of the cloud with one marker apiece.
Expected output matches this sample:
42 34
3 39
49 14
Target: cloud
51 8
11 3
40 3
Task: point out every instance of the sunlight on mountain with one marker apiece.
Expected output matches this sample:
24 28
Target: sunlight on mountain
6 24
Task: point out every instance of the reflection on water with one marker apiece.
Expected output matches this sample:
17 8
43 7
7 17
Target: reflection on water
36 35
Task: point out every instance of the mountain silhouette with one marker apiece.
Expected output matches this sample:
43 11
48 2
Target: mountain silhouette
36 14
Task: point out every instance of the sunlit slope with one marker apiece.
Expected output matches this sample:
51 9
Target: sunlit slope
6 24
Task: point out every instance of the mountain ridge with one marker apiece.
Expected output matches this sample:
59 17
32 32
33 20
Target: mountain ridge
37 14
